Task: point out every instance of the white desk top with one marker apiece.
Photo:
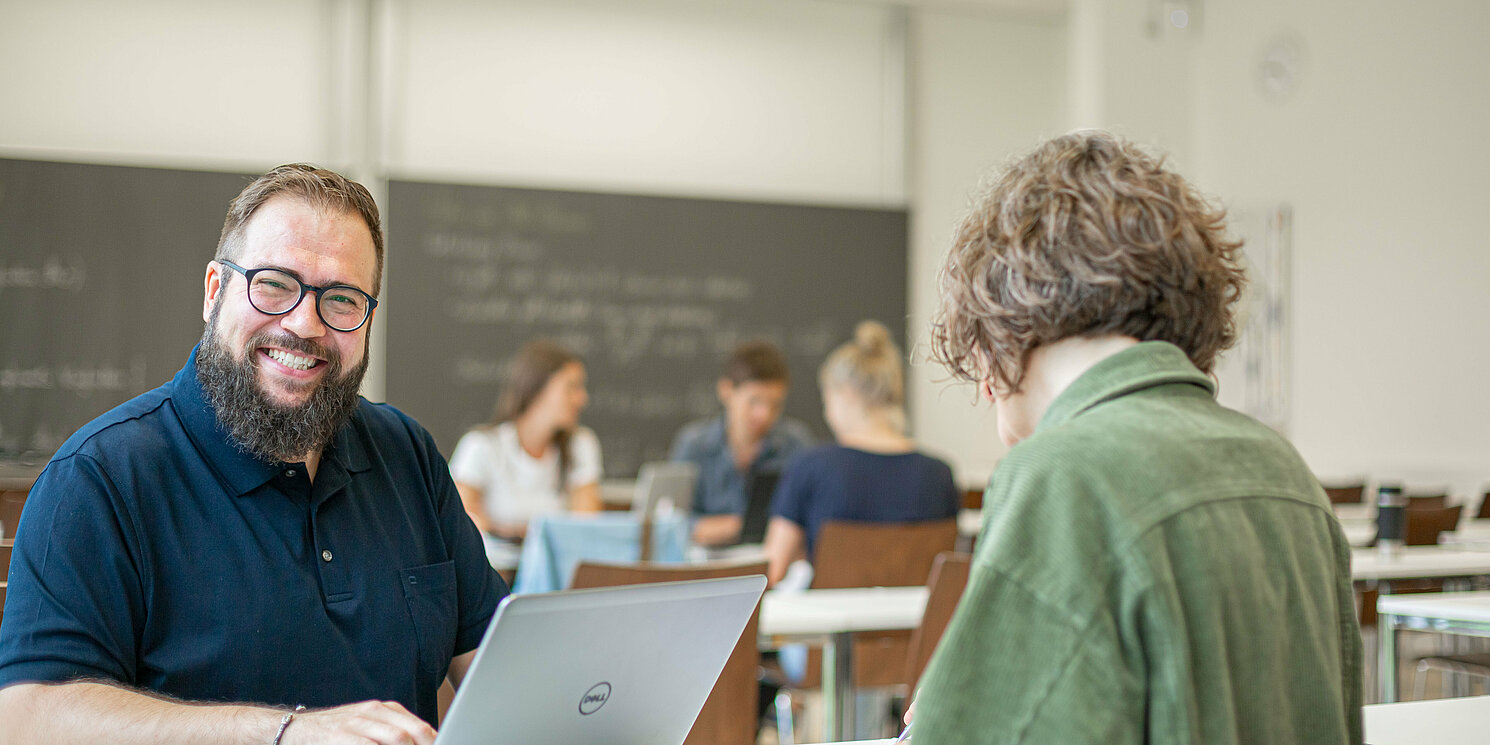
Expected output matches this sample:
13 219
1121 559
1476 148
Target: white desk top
970 522
1449 721
1417 562
1355 511
834 611
1448 606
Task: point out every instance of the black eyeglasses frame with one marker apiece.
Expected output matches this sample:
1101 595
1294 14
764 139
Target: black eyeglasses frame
248 276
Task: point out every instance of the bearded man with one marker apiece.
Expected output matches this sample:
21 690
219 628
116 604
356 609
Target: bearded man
251 537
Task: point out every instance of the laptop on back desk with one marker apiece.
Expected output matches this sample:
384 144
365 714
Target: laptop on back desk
614 666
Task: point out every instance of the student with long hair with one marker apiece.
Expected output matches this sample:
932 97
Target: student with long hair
533 458
873 473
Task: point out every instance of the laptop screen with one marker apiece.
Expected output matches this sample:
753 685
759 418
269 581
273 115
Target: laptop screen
615 666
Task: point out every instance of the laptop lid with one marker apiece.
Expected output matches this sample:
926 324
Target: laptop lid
661 483
614 666
758 506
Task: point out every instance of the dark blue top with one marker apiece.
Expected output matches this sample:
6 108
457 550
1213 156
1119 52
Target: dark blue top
833 482
154 553
720 489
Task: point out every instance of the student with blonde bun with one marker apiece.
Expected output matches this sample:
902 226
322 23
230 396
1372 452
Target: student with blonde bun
534 458
873 473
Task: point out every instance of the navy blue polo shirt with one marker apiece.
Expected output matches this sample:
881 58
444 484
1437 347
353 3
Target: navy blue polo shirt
154 553
832 482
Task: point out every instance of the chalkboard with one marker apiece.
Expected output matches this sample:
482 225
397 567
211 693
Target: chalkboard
100 289
653 292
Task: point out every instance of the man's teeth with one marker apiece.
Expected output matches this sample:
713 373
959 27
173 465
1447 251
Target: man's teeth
291 360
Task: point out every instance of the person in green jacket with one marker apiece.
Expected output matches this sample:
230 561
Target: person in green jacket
1153 567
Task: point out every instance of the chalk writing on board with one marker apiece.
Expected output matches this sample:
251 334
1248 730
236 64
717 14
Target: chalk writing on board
52 273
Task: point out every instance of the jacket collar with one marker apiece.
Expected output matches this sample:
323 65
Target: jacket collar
1145 365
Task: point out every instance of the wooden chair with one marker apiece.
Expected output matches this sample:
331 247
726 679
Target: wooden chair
11 502
948 579
1346 494
731 714
1484 512
853 554
1423 524
1427 501
972 499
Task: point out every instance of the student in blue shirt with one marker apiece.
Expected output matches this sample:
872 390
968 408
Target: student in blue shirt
748 439
252 536
873 473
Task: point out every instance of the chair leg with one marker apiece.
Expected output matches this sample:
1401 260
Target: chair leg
1419 680
785 728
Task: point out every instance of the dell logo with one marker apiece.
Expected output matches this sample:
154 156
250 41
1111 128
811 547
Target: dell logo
594 698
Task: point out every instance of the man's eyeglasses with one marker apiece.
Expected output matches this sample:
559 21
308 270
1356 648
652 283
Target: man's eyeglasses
275 293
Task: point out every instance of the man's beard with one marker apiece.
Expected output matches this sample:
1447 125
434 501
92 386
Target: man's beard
256 424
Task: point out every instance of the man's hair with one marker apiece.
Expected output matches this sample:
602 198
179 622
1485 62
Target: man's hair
756 361
1087 235
324 190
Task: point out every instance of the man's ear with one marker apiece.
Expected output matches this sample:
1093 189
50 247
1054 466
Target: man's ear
211 288
724 389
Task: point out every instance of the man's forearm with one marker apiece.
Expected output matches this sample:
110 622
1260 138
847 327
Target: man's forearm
88 713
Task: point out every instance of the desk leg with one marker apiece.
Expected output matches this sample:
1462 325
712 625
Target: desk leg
1386 665
838 685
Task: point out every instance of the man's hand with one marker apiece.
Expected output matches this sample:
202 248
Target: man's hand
381 722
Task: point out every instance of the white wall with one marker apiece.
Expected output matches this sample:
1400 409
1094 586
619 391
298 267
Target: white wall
167 82
985 87
1381 150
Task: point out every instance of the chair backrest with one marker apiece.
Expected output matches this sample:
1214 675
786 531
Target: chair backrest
5 548
972 499
1423 524
1427 501
731 713
948 580
1346 493
1484 513
11 502
854 554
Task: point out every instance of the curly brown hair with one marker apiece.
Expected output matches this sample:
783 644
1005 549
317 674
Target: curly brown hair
1088 235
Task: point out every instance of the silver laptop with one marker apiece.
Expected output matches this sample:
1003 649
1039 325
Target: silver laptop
614 666
664 486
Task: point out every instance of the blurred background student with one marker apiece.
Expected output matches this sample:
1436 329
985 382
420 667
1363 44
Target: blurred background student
747 441
873 473
534 458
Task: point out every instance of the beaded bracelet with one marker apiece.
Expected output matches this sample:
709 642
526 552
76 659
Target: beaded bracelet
285 723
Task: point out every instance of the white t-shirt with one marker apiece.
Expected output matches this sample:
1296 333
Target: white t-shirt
516 486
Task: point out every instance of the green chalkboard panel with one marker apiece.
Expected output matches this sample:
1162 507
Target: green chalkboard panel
652 291
100 289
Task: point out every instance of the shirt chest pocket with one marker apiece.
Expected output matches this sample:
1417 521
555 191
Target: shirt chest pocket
429 591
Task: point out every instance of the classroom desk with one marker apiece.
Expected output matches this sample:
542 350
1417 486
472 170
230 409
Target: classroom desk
830 618
969 522
1466 613
1417 562
1449 721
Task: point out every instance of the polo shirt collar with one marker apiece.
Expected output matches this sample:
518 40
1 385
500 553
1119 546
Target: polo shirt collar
1144 365
240 472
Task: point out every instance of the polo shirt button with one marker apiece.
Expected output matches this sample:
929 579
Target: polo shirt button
326 555
290 473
